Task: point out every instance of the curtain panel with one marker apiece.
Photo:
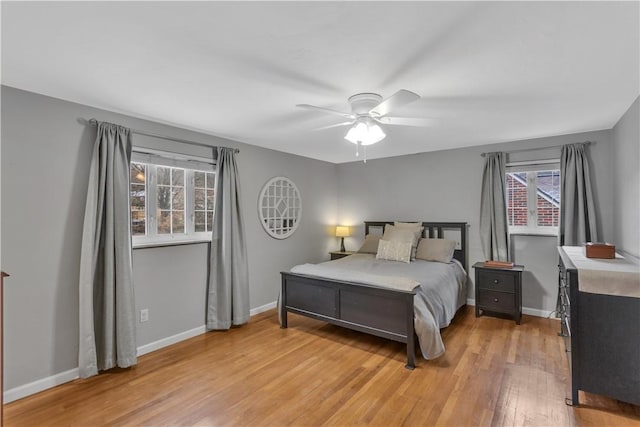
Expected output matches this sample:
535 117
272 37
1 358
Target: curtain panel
106 295
228 284
494 233
577 207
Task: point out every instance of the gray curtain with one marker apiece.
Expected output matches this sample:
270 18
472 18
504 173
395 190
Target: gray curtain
228 285
577 208
107 309
494 234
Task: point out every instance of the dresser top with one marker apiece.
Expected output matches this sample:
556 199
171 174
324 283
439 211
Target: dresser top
619 276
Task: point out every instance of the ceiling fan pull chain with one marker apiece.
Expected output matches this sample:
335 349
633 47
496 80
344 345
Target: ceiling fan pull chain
365 153
358 149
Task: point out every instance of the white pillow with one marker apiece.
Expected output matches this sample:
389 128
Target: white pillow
403 234
394 251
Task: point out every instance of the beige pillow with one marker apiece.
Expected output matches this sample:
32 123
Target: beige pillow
370 244
439 250
403 234
394 251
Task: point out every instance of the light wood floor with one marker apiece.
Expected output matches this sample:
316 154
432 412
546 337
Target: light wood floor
493 373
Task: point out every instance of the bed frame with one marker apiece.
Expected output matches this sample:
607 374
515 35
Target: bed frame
386 313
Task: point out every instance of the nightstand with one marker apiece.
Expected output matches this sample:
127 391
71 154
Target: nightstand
340 254
499 290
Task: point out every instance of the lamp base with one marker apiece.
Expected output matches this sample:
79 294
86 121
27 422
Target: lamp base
342 249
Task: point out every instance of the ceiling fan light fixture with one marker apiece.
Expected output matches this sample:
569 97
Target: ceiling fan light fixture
366 132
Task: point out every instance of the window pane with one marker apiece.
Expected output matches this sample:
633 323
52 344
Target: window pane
164 222
178 199
199 199
517 214
198 179
548 198
137 202
164 198
164 175
199 221
209 199
178 222
177 177
138 222
210 180
137 196
137 173
209 221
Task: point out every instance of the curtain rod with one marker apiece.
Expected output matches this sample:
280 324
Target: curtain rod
94 122
539 148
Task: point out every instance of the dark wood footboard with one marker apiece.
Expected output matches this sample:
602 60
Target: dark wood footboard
386 313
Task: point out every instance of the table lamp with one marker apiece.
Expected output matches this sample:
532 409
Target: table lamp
342 232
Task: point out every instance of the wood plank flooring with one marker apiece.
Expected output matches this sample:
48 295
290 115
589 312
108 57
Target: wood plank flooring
494 372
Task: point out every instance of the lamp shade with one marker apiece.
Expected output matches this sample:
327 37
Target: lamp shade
366 132
342 231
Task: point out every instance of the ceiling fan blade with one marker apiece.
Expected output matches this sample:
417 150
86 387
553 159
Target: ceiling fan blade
406 121
326 110
396 100
334 126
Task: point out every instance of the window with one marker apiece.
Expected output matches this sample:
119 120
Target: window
533 199
170 203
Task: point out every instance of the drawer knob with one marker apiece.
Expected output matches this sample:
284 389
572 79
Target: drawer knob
495 300
495 281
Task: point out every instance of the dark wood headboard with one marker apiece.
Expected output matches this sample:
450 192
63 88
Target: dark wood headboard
435 230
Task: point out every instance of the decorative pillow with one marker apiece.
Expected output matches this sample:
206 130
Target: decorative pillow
370 245
394 251
403 234
439 250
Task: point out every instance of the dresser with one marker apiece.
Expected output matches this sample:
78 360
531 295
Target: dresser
499 290
601 334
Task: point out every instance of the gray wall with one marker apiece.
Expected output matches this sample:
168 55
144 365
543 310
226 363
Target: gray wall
626 181
445 186
45 164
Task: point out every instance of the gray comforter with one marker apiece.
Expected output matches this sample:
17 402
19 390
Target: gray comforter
441 289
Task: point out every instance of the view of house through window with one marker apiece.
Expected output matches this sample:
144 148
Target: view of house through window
170 203
533 201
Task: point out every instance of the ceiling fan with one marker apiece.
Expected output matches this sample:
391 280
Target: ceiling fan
369 109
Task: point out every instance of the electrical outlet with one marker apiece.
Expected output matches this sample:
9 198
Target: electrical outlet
144 315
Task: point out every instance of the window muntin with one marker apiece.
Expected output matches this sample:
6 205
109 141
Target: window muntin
203 185
533 200
170 205
138 195
166 204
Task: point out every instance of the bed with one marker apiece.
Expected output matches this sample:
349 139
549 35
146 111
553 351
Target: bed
372 307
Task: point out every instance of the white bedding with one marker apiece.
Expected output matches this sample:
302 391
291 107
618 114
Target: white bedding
440 291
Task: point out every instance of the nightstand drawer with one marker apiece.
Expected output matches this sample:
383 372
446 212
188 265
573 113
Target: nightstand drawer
496 281
497 301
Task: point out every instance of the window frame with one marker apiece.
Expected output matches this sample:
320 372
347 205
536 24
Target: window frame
189 165
531 169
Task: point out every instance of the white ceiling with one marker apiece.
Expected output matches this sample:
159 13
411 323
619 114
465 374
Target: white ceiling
487 72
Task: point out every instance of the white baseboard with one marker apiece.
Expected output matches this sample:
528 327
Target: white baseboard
40 385
173 339
525 310
263 308
72 374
